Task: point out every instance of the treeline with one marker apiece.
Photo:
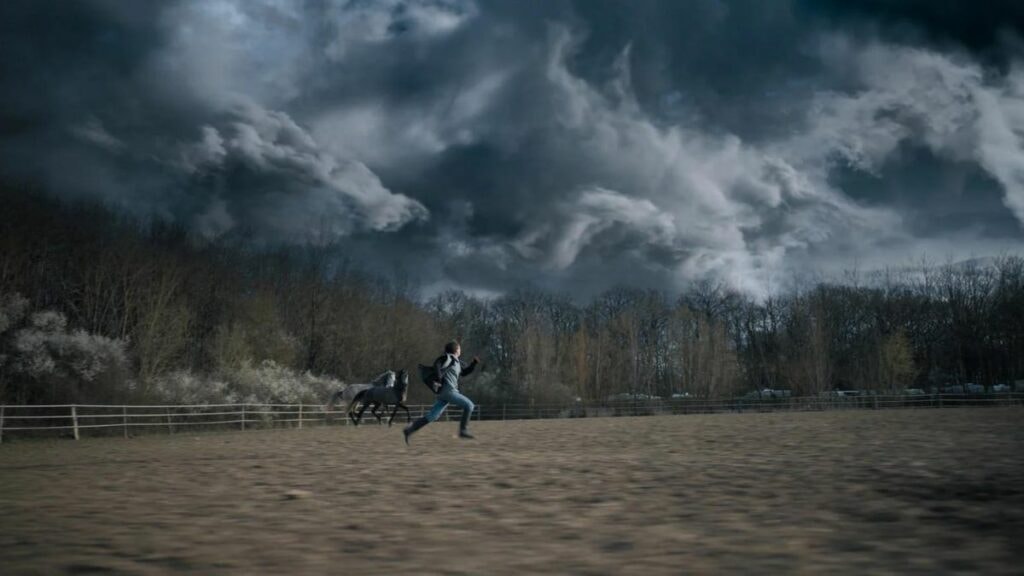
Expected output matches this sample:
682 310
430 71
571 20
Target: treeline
97 306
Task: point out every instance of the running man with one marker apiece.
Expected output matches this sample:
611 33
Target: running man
448 368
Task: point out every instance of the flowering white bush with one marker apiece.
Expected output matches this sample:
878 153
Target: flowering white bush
48 321
12 310
90 355
270 382
187 388
51 363
267 383
45 362
44 349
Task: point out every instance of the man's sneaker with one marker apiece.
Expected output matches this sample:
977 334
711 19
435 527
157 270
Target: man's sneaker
465 434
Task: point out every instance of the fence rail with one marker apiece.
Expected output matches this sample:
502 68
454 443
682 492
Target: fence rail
72 419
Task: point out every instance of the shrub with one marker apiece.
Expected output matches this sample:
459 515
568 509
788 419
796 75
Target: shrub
182 387
267 383
56 365
272 383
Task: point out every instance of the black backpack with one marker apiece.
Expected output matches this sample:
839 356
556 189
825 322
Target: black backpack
429 377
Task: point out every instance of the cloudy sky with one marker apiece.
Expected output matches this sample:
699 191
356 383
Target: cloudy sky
569 146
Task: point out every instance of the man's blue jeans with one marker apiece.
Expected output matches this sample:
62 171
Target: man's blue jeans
449 395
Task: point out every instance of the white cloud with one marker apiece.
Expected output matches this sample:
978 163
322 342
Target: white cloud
220 50
697 204
708 204
1001 133
215 220
291 116
92 131
389 135
589 214
209 150
313 193
356 22
945 103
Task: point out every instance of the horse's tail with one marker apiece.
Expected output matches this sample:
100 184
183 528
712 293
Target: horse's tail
334 400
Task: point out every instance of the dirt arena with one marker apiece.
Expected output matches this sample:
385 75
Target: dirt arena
902 491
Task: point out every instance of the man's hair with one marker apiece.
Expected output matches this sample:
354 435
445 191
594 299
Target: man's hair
450 347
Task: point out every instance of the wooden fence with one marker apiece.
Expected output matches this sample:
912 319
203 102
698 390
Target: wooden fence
74 420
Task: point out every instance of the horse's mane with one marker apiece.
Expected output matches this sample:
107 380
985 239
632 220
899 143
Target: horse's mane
386 378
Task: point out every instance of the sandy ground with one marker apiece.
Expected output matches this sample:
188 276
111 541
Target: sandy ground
900 491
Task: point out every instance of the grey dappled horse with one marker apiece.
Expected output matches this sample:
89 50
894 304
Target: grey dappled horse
386 396
347 395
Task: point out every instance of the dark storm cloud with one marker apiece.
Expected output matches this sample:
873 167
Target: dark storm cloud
984 28
562 145
175 112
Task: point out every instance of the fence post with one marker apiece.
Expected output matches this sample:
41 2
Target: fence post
124 413
243 416
300 416
3 408
74 419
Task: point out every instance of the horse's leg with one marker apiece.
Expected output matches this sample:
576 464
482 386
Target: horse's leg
351 412
393 412
375 411
359 415
408 418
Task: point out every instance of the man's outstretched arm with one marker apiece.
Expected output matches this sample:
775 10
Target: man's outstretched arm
467 369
